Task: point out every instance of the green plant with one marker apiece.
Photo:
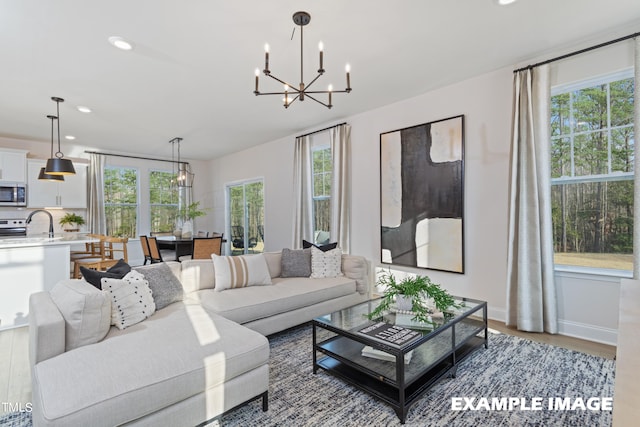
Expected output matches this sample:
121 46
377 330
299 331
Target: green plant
71 219
192 211
418 289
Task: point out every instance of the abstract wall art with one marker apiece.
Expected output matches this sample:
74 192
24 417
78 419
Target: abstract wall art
422 195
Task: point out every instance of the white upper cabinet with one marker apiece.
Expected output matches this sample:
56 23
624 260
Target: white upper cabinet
71 194
13 165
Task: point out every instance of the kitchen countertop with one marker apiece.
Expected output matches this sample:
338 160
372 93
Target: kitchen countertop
45 240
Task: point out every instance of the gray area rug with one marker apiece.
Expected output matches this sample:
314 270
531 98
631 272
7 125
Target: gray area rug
510 367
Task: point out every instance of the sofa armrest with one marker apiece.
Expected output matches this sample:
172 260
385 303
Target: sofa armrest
357 268
46 328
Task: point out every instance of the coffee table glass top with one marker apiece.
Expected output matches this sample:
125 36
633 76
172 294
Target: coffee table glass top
353 318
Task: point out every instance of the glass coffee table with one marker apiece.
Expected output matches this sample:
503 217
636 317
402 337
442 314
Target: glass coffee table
396 365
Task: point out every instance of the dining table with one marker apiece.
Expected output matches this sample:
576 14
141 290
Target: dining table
181 245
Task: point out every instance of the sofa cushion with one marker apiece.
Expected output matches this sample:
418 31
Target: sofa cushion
240 271
165 286
326 264
117 271
131 299
179 352
86 311
296 263
286 294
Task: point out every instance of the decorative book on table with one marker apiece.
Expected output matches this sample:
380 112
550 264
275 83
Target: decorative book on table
373 353
394 335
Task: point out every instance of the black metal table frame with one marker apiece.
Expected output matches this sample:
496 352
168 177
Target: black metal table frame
384 388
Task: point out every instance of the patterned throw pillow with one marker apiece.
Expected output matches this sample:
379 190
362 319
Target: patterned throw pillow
326 264
240 271
296 263
131 299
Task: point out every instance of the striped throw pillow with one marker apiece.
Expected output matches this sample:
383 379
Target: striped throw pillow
240 271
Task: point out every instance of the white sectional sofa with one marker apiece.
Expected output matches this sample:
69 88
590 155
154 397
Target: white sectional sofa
187 363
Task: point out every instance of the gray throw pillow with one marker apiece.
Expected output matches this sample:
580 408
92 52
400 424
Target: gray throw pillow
296 263
165 287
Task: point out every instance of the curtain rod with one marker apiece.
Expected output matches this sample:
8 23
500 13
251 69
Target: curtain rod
578 52
321 130
134 157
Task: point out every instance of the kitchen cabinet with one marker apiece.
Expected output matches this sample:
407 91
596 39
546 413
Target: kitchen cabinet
13 165
70 194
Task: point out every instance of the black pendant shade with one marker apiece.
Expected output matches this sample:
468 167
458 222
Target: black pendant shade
43 176
58 165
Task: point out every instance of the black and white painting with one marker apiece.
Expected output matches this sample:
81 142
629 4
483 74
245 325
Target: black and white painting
421 195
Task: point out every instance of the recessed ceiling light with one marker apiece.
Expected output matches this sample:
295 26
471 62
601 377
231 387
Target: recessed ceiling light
504 2
70 137
120 43
83 109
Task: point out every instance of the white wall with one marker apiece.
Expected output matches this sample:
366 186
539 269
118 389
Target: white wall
588 305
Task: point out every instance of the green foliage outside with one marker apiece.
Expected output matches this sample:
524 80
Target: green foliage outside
593 143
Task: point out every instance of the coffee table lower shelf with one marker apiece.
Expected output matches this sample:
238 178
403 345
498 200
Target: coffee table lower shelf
388 391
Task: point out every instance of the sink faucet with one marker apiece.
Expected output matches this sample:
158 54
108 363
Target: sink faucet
50 220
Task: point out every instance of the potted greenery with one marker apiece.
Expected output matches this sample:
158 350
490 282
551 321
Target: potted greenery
72 220
188 214
412 294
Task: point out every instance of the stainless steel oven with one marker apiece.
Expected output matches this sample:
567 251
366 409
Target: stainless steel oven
13 194
13 227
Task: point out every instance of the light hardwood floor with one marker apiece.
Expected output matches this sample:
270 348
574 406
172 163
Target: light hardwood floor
15 378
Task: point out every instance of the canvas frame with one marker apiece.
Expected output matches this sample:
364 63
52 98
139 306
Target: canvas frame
422 196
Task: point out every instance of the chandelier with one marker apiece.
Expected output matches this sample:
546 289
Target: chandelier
301 91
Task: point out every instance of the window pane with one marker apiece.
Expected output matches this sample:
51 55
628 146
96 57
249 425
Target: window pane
590 108
121 196
560 157
622 102
593 224
591 153
560 118
622 150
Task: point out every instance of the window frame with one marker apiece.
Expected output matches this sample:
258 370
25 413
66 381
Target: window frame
610 176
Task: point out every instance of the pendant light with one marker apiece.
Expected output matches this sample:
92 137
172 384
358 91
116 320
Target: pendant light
59 165
44 176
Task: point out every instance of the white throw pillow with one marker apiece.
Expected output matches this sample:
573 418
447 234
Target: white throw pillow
326 264
131 299
240 271
86 311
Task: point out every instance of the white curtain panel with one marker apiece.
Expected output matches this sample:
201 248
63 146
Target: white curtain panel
302 192
340 137
636 165
97 218
531 291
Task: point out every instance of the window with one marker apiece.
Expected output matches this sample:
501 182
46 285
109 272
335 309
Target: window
322 174
163 200
592 173
121 201
246 217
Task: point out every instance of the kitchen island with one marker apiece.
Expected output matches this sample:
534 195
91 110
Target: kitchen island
31 264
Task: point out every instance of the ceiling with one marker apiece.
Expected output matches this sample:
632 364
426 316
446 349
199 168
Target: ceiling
191 74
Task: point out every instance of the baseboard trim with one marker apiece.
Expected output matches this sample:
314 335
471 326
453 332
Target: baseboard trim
588 332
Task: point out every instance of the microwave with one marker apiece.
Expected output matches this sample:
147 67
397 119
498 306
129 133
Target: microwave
13 194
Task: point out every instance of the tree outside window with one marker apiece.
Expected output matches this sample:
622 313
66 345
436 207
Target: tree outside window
121 201
322 175
163 199
592 172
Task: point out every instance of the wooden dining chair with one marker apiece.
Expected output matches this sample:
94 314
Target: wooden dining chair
155 253
144 243
203 247
115 248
